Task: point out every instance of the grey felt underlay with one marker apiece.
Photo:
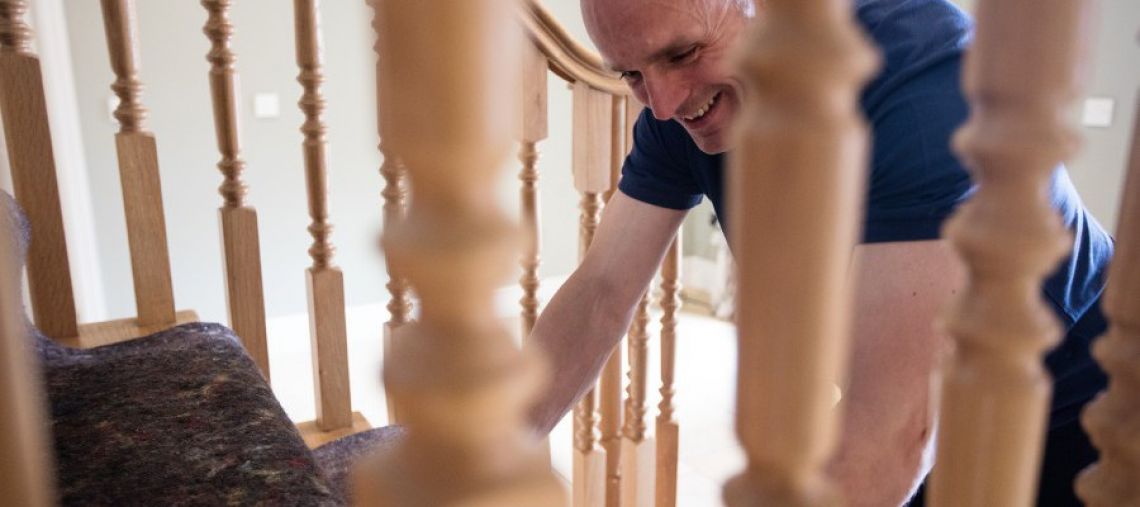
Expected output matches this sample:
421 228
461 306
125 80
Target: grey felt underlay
181 417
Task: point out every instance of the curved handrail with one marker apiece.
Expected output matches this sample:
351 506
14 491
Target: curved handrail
568 58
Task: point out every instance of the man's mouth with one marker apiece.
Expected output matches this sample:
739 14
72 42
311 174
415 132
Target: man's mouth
704 110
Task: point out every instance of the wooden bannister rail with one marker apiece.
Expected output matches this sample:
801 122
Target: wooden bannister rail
462 382
138 172
1113 420
241 246
324 281
1020 81
26 467
804 64
32 165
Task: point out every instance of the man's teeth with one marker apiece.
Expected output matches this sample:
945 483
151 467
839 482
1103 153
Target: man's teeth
704 109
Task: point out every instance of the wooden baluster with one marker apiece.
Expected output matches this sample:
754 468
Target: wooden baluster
462 382
637 450
534 129
138 172
610 384
668 431
995 392
32 166
804 65
25 451
240 244
1113 420
324 281
591 168
395 203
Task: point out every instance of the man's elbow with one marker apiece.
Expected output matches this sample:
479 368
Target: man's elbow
882 462
917 432
915 442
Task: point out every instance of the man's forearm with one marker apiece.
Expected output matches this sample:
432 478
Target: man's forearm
576 332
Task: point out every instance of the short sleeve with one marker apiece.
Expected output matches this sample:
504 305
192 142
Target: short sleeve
916 180
657 170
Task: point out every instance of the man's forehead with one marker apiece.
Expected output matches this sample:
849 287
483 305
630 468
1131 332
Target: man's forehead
630 32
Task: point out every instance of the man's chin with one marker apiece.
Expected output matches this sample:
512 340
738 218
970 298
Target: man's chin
711 145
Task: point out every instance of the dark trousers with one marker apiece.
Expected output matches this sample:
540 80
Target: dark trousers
1067 452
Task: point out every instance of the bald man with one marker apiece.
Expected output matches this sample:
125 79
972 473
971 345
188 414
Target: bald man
672 54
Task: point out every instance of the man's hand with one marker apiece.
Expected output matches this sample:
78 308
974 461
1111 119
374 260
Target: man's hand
588 316
887 414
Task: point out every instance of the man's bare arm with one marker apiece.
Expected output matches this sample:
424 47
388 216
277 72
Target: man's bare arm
589 314
887 421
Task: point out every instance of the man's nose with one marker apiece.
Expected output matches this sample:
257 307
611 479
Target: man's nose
663 98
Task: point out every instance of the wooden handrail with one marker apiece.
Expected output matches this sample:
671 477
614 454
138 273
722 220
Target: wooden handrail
568 58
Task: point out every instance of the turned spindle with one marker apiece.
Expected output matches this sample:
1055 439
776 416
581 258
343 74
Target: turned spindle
1113 420
241 248
803 66
1020 79
31 164
138 172
462 384
324 281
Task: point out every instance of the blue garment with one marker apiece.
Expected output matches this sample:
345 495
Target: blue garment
913 106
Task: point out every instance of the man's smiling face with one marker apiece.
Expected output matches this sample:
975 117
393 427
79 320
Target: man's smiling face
673 54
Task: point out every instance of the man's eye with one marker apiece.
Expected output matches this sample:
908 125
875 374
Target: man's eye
684 56
630 75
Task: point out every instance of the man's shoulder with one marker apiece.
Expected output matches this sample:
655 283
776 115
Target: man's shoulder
872 13
916 39
907 30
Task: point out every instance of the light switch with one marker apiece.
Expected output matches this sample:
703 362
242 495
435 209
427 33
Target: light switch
266 105
1098 112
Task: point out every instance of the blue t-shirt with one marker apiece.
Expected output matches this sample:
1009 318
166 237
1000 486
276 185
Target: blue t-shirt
913 106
